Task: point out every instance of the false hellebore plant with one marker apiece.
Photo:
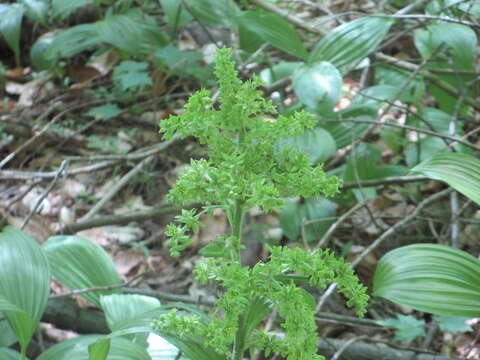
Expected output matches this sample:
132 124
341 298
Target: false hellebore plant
244 169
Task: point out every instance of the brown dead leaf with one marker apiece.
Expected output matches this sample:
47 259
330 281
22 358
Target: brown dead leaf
129 262
17 73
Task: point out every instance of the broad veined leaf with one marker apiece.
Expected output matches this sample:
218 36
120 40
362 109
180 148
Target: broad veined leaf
459 46
279 71
183 63
431 278
346 132
7 336
38 53
460 171
9 354
413 89
317 144
122 307
10 25
132 32
79 263
214 12
470 7
72 41
127 309
161 349
460 40
363 165
318 86
175 14
273 30
254 313
351 42
192 347
428 146
63 8
77 349
99 349
317 211
24 282
37 10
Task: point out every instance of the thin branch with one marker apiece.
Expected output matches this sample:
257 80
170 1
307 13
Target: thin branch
117 187
117 219
410 128
45 193
385 236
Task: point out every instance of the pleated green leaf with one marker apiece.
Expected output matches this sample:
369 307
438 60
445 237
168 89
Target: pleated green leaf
431 278
72 41
99 349
79 264
77 349
37 10
10 25
7 336
213 12
9 354
317 144
63 8
460 171
273 30
132 32
349 43
192 347
24 282
318 86
122 307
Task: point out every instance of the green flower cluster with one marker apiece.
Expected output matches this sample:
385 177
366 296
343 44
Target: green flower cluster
243 169
242 163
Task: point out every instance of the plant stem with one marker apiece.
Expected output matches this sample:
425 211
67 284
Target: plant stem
237 229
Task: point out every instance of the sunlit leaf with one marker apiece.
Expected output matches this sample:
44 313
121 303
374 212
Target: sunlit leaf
10 25
431 278
452 47
279 71
99 349
318 86
79 263
460 171
122 307
7 336
37 10
317 144
192 347
253 314
316 211
175 14
213 12
351 42
273 30
72 41
77 349
132 32
24 282
9 354
63 8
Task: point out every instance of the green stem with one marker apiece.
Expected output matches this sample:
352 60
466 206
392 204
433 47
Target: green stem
237 229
